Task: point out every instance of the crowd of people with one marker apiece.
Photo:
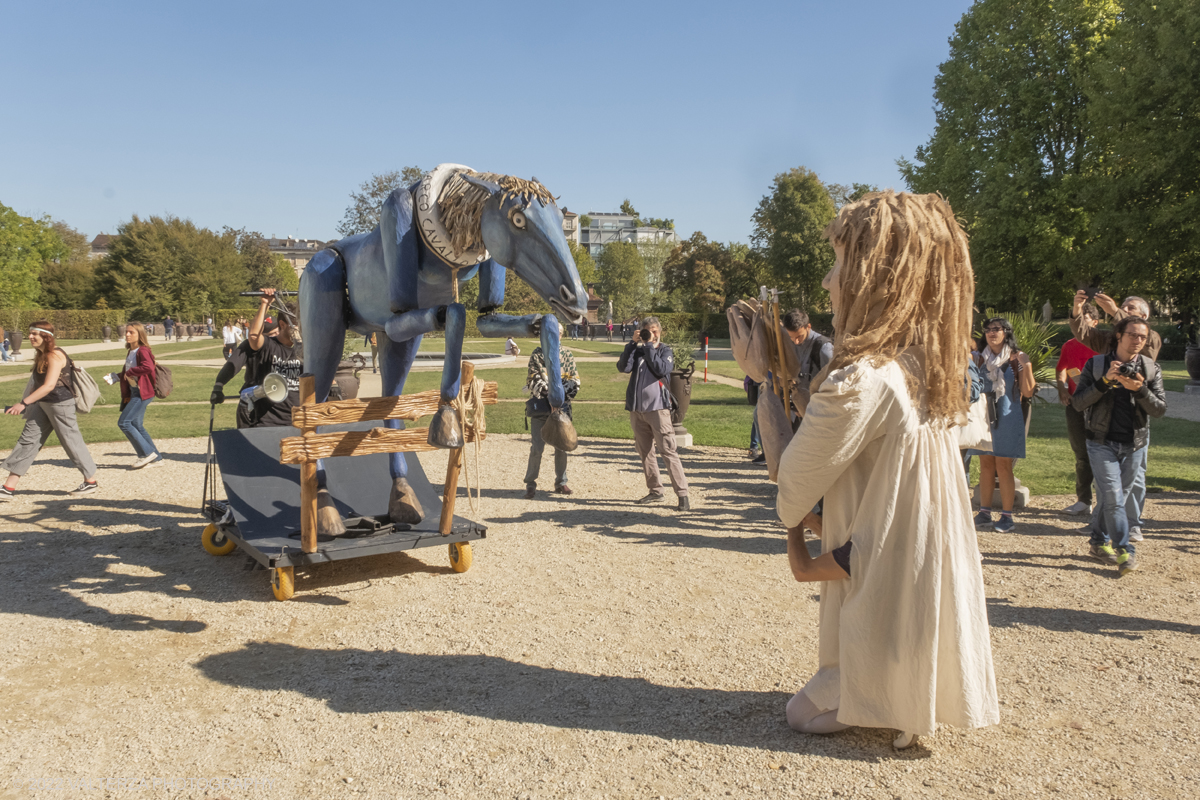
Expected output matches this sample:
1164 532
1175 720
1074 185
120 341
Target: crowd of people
875 467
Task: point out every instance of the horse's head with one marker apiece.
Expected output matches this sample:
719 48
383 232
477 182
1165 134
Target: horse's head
522 229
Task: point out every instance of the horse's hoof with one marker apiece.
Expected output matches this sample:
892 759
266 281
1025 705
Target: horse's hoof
445 429
559 432
329 521
403 506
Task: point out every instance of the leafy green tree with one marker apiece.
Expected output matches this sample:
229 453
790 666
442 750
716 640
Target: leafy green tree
622 274
1145 114
70 280
709 289
26 245
788 227
1012 144
284 275
257 258
645 222
362 215
740 270
654 255
584 264
165 265
843 194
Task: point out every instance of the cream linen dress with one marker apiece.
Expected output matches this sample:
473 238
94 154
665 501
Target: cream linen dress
904 642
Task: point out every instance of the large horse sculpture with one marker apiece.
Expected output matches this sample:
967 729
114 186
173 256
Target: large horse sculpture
402 280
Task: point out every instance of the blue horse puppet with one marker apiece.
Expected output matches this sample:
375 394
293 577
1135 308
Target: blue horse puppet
402 279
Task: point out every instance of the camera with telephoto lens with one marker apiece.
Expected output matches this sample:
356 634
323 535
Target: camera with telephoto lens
1128 370
645 334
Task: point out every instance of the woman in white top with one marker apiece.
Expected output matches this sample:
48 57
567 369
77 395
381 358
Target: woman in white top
904 640
231 335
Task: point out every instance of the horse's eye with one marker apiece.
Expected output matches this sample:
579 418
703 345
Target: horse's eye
518 219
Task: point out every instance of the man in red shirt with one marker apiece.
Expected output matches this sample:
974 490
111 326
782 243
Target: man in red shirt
1072 359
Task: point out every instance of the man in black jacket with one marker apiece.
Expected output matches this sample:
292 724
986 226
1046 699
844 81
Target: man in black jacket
648 400
1118 392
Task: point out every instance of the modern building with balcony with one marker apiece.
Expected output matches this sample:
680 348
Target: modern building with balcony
604 229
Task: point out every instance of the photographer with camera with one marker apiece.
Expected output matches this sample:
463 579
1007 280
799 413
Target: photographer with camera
1103 341
648 400
1118 392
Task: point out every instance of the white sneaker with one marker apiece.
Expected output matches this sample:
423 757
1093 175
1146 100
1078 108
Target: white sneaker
1135 534
141 462
1078 508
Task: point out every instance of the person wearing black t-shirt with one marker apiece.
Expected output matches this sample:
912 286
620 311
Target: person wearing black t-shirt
270 347
1118 392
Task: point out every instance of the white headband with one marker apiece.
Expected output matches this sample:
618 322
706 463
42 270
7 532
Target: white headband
41 330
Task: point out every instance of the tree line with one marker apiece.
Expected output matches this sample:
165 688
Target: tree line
1067 140
155 267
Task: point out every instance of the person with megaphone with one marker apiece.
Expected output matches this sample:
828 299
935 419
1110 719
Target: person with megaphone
273 358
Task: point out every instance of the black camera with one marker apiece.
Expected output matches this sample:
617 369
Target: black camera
1128 370
1092 291
645 334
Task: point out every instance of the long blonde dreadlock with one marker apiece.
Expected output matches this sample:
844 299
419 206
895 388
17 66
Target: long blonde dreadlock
905 280
461 204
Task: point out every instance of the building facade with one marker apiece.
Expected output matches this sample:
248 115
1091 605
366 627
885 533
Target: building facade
604 229
298 252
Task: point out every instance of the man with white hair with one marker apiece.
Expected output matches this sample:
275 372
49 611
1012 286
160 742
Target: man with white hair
1102 341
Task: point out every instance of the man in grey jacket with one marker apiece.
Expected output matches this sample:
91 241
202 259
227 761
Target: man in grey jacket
1118 392
648 400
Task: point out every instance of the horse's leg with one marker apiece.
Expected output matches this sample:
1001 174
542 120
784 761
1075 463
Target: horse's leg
445 429
547 328
323 325
395 361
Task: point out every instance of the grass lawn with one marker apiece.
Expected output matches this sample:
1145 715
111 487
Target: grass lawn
1175 375
1049 465
719 416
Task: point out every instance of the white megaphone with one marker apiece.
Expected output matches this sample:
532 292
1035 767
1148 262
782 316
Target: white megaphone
273 388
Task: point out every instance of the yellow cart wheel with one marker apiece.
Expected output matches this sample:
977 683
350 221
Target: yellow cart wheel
460 556
216 542
283 582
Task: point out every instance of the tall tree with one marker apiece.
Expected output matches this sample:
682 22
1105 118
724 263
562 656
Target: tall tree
842 194
165 265
1145 113
788 228
26 245
654 255
584 264
623 279
257 259
362 215
1012 144
70 280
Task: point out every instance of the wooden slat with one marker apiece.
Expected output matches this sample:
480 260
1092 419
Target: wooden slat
308 477
450 489
407 407
307 449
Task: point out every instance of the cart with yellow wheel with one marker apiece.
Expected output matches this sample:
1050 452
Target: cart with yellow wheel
264 475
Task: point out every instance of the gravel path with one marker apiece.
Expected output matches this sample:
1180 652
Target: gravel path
595 648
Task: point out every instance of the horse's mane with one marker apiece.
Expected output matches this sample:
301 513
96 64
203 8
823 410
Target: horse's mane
460 204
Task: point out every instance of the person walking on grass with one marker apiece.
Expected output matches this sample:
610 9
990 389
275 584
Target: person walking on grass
137 392
1007 382
48 407
1118 392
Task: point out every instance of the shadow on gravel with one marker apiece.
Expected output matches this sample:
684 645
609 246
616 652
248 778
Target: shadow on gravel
1065 563
370 681
61 562
1003 614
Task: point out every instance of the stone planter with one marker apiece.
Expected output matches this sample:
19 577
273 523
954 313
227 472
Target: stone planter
681 388
14 341
107 333
345 379
121 332
1191 359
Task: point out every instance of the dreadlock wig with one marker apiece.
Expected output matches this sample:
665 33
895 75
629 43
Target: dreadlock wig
905 281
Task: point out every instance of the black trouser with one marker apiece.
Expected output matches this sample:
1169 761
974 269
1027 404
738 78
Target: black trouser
1077 435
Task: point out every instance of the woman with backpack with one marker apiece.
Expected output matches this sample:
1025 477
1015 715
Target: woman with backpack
137 392
48 407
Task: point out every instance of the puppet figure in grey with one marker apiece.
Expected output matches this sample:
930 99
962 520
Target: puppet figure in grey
402 279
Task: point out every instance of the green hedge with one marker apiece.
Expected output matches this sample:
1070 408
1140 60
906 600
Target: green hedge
68 323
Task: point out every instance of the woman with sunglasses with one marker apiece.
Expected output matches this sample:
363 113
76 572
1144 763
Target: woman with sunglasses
48 407
1008 382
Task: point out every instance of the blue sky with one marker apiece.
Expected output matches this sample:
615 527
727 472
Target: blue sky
267 115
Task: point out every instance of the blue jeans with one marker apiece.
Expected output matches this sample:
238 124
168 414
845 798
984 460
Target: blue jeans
1116 468
130 423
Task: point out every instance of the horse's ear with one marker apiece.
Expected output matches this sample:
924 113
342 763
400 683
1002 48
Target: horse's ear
491 186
